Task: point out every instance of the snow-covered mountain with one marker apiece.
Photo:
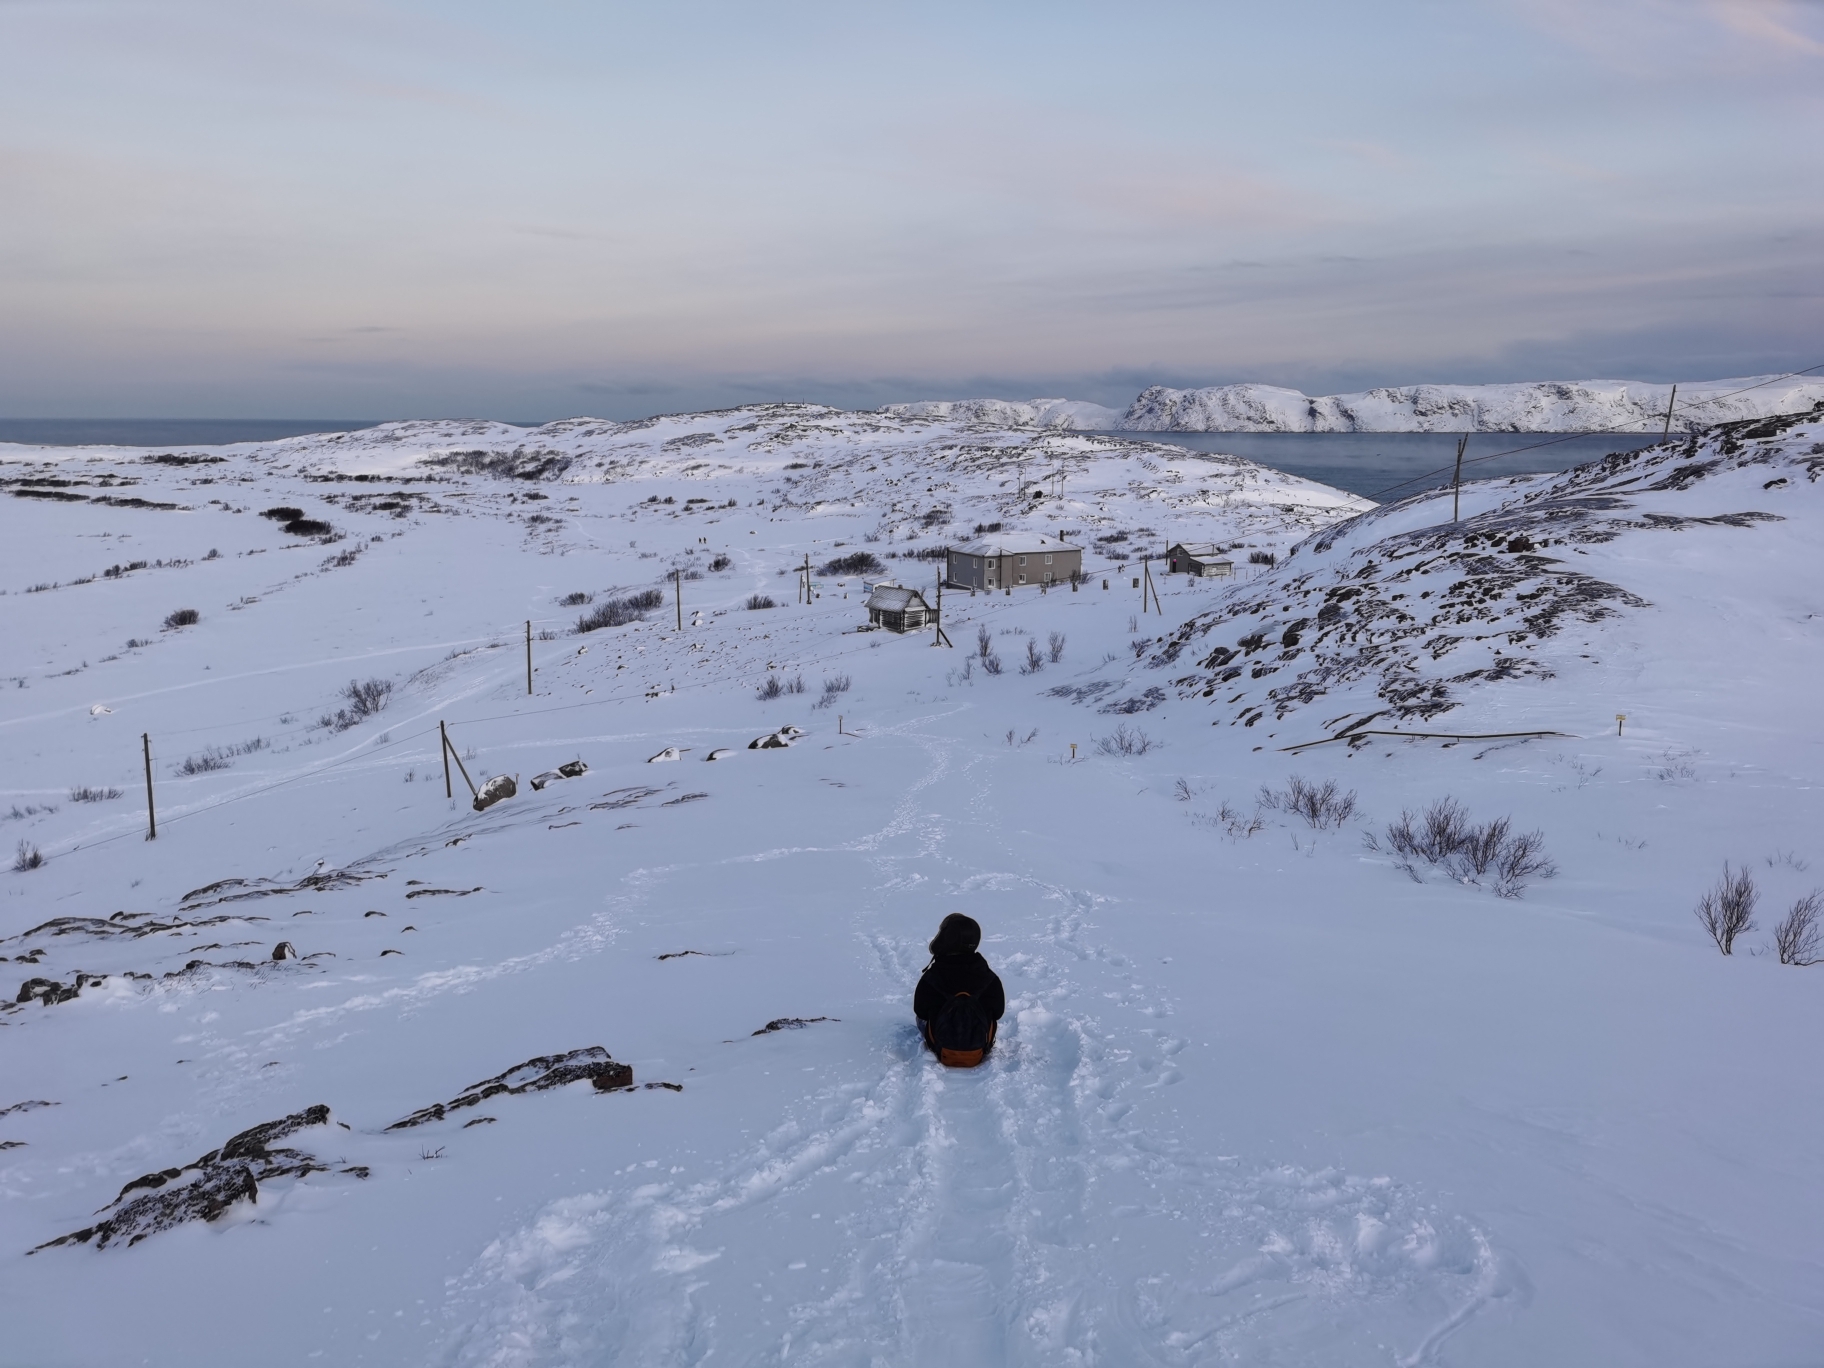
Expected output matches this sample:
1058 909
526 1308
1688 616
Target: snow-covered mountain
1542 406
335 1070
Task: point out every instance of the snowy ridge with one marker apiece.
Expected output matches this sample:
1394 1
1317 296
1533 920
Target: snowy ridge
1063 413
1433 615
1545 406
1534 406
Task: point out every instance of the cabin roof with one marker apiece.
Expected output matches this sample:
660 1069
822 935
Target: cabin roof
891 598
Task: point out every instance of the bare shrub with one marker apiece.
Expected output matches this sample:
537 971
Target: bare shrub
1056 642
855 563
183 617
27 857
82 793
1727 911
833 686
1035 661
1183 792
213 758
283 513
1125 740
1262 558
984 641
1446 838
991 663
770 690
1319 804
576 600
618 612
1796 938
720 563
369 697
796 686
757 601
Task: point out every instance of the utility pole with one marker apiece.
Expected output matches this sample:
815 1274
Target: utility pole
449 753
145 741
1456 484
677 585
937 618
1668 432
1148 587
528 657
443 735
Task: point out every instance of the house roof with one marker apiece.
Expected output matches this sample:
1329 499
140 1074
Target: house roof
1199 550
891 598
994 548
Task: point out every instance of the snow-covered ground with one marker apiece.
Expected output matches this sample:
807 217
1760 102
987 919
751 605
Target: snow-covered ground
1261 1096
1534 406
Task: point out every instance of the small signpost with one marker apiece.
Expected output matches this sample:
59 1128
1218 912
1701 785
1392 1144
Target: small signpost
1619 719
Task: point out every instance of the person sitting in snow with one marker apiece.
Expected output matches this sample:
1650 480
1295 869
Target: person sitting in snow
959 999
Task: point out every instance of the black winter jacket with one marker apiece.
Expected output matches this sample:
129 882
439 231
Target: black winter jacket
953 974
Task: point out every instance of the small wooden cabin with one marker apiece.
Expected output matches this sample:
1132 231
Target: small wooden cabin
897 609
1203 559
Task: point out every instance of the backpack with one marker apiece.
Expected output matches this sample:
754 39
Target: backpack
961 1035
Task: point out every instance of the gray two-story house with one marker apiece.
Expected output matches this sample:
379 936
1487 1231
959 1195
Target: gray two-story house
1008 565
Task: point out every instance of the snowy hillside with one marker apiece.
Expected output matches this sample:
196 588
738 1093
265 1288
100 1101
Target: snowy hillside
1543 406
620 1070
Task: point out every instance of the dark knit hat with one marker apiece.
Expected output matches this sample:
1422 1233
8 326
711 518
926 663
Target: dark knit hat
959 935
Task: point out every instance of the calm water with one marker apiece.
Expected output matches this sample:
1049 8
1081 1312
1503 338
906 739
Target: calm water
1372 464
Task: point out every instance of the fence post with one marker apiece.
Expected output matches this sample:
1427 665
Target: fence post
145 741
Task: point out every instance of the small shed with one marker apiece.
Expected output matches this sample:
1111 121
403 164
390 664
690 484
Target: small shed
898 609
994 565
1203 559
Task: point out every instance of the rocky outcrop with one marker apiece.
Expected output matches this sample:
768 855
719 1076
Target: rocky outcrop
535 1075
206 1189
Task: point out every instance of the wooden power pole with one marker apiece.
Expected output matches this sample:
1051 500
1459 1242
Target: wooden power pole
145 741
1456 483
1669 403
528 656
444 736
937 617
677 588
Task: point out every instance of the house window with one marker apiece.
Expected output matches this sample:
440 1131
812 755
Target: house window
1022 560
1048 560
1022 577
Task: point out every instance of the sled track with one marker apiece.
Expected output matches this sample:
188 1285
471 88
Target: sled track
1021 1213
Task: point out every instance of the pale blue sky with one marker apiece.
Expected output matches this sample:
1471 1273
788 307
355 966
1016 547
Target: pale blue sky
373 208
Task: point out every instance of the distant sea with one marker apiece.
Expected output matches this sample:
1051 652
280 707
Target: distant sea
1375 465
1388 466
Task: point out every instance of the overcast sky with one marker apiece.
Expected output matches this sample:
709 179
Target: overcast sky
393 208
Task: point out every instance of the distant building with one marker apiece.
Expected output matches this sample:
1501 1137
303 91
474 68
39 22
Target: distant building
1203 559
897 609
996 565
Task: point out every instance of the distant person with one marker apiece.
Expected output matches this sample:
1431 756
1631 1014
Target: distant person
959 1000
